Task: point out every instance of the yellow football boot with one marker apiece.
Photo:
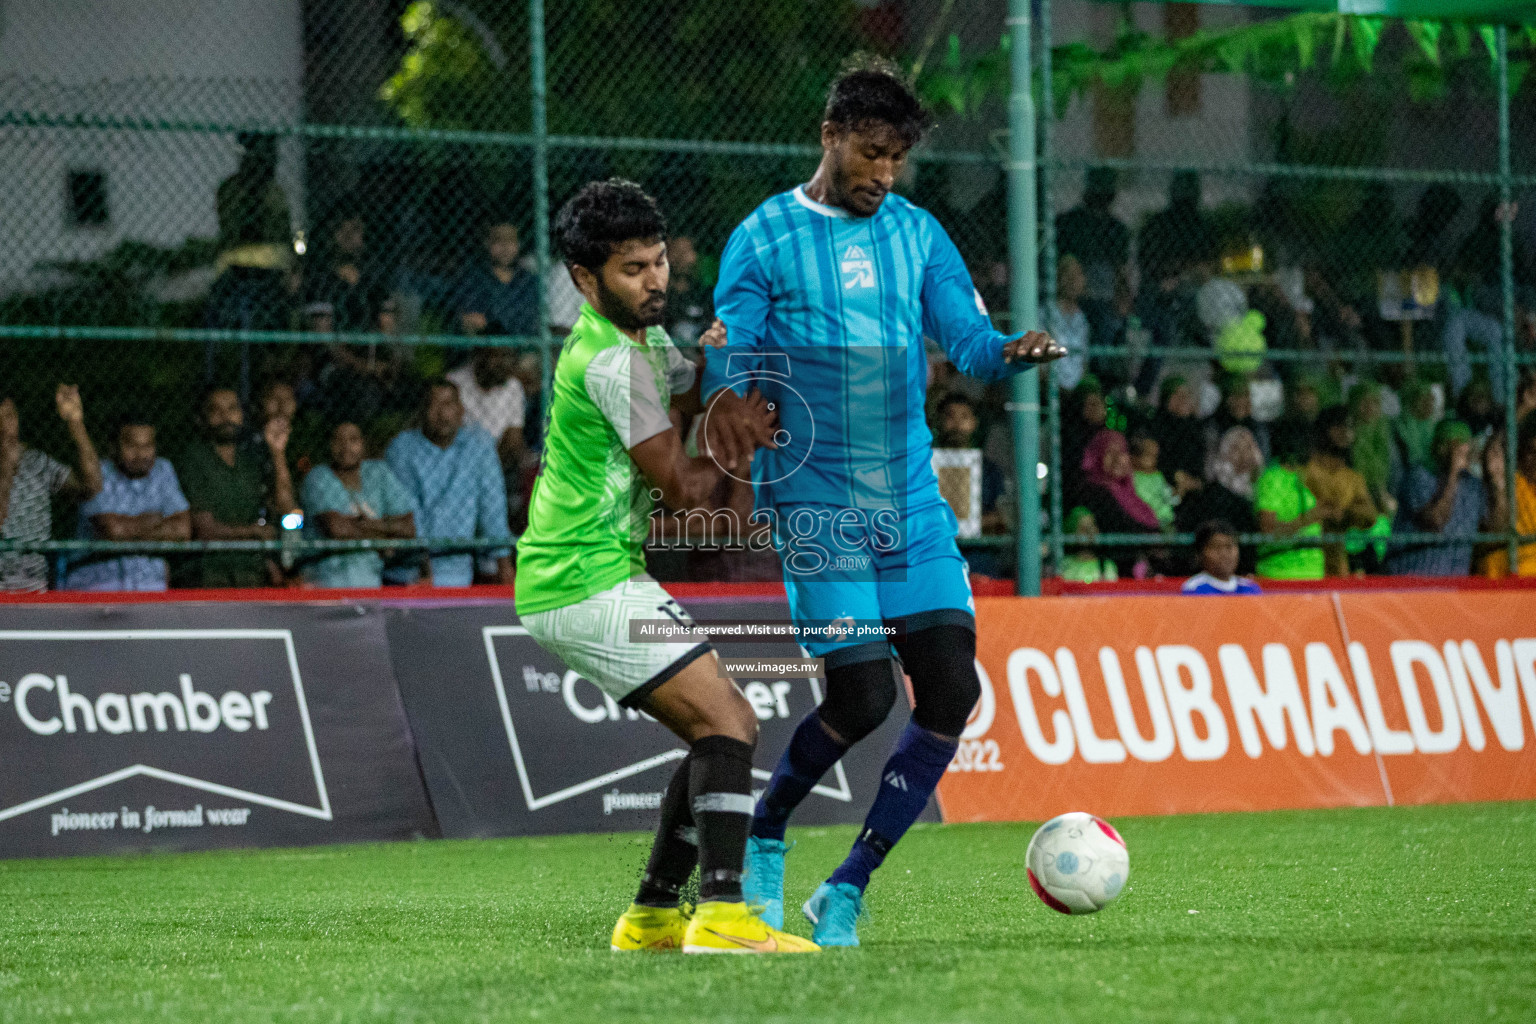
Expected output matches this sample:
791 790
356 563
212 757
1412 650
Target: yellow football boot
733 928
649 929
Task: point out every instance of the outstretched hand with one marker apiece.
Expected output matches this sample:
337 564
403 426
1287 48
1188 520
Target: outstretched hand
67 399
1033 347
735 427
715 336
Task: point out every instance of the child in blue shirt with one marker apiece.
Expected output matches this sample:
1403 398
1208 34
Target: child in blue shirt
1216 545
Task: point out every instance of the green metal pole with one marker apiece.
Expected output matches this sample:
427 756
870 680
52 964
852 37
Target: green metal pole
540 188
1048 257
1023 281
1507 285
1023 278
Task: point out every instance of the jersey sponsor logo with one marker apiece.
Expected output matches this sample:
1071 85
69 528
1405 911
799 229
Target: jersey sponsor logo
858 269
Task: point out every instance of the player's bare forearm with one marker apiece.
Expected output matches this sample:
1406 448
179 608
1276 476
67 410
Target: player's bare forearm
683 482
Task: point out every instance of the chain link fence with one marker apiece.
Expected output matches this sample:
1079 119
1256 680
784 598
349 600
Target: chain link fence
322 207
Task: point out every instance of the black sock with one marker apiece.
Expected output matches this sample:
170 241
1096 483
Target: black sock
676 849
720 792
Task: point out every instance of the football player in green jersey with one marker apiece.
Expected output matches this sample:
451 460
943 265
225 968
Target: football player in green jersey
581 579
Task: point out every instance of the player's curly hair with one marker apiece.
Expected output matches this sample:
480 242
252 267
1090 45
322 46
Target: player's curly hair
602 216
872 89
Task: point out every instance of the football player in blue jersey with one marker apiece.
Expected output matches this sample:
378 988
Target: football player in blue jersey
827 293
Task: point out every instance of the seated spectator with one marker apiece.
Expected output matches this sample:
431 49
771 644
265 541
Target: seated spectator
1497 564
1286 508
306 441
1449 502
1304 399
358 381
454 478
529 371
346 279
1236 410
1068 324
1337 484
496 295
1217 548
230 493
1228 495
353 498
1151 486
1083 564
690 304
494 401
30 480
1083 415
1414 428
1373 453
956 428
1477 407
1236 332
140 499
1180 435
1110 494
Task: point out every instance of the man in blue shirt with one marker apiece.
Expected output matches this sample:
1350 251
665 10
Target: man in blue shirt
496 295
454 478
827 293
140 499
1449 501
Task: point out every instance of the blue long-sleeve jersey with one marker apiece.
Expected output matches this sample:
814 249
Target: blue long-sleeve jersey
826 313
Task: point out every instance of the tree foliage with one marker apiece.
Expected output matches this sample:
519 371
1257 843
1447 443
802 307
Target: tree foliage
1273 52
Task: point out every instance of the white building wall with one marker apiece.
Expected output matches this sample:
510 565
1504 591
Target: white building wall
1220 132
218 62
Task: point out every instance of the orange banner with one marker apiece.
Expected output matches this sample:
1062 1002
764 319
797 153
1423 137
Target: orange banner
1162 705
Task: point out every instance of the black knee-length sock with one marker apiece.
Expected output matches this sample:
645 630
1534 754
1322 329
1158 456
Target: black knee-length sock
676 849
720 793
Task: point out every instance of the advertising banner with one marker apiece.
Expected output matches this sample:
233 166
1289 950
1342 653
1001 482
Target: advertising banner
193 726
1457 678
513 743
1172 705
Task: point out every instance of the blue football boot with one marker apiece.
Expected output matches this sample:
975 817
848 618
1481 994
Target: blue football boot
762 878
835 909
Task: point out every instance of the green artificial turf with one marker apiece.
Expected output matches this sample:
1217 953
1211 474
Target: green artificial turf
1361 915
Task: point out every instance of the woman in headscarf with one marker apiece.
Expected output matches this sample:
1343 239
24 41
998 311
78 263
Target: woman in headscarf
1373 453
1235 410
1229 493
1108 491
1415 428
1083 415
1179 435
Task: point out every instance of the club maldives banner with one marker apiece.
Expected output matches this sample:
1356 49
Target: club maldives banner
514 743
189 726
1160 705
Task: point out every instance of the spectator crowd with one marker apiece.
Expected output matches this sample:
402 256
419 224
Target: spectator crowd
1286 427
1341 394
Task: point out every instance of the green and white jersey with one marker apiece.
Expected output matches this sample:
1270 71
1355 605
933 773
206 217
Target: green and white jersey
591 506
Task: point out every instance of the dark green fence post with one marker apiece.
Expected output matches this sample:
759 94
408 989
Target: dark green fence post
1023 282
541 188
1048 260
1507 286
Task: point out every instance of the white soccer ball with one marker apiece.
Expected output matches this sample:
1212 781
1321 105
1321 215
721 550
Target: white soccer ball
1077 863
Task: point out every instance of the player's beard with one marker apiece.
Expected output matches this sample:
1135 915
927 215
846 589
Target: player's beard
629 318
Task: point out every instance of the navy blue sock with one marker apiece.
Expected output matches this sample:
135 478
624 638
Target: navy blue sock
909 779
810 755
